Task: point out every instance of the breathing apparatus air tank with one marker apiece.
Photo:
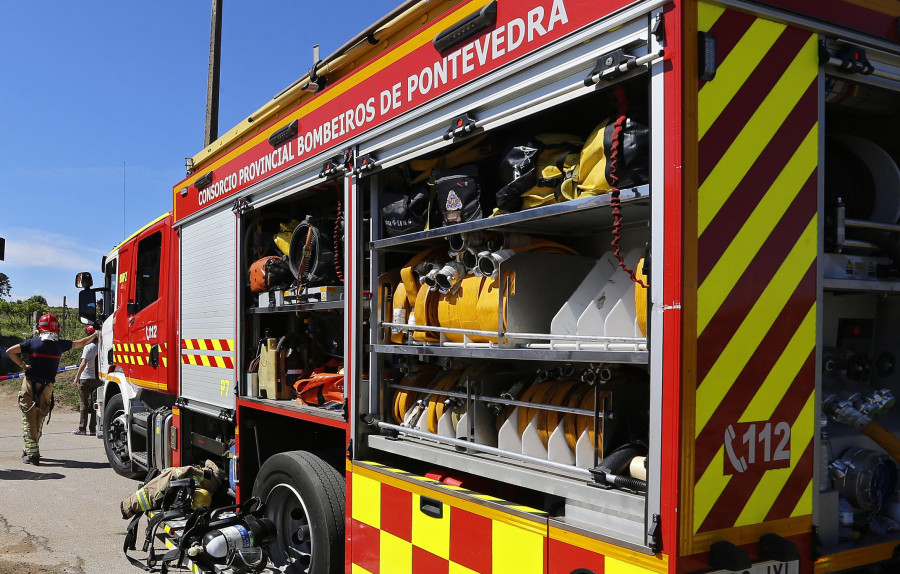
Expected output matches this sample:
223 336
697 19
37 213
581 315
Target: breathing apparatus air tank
222 544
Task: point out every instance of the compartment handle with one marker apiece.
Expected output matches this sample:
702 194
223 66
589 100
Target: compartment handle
431 507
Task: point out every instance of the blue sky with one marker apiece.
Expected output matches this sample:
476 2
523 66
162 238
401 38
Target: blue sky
102 100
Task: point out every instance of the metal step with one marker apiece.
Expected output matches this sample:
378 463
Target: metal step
140 459
141 422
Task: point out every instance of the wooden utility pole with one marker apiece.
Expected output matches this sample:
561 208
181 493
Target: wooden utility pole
212 89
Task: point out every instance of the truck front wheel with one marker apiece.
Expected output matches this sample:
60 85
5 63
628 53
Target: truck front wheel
115 437
304 497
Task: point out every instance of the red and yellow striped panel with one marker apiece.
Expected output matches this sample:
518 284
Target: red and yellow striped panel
207 361
392 533
753 415
138 353
215 345
395 529
207 344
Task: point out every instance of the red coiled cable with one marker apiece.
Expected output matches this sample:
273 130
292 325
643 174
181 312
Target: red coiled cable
339 242
614 202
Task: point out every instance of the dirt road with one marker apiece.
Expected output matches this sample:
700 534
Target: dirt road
62 516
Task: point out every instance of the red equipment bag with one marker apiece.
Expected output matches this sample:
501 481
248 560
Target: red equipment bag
321 389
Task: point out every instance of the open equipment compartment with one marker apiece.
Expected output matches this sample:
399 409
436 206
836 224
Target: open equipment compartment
858 425
535 369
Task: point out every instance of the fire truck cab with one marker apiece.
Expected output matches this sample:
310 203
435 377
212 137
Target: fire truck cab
545 286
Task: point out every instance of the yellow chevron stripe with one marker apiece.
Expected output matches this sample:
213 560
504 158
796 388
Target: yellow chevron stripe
785 370
773 481
140 360
205 360
707 14
804 505
734 71
709 488
217 346
188 344
756 135
756 230
753 328
165 362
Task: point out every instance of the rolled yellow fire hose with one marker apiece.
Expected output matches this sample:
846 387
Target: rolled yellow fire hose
640 296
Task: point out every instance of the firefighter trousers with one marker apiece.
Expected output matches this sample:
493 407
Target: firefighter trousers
33 414
86 412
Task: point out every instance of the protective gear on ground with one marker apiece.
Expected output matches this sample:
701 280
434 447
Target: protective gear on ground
150 496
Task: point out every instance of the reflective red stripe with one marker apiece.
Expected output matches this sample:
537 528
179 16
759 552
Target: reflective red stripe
42 355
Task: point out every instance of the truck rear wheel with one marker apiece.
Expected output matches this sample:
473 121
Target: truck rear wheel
115 437
304 497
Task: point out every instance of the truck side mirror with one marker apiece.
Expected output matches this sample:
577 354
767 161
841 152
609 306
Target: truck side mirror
87 306
84 280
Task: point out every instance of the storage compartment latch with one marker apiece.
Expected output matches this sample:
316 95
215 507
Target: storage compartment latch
365 164
653 534
337 166
460 126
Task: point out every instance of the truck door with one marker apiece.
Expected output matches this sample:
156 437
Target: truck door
145 309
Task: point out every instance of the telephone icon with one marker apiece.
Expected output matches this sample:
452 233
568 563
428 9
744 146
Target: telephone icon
738 462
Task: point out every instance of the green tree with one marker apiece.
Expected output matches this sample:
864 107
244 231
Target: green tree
5 286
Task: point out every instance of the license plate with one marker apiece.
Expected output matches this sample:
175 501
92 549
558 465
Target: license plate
768 567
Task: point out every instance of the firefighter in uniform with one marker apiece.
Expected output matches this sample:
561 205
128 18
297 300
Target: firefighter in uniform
44 353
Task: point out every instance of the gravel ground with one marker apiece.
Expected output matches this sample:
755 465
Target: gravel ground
62 516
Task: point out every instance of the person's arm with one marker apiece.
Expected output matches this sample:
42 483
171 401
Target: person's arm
15 353
82 342
80 370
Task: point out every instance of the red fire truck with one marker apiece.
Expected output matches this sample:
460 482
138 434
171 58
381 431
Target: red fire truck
556 286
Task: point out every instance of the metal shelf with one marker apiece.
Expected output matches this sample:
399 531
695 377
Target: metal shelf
292 408
294 307
571 218
624 357
861 285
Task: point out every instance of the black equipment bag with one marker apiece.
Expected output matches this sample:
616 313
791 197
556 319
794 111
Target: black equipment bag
409 213
458 194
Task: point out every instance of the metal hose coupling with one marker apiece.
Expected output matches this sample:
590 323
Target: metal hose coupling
489 261
428 278
461 241
469 258
447 279
478 240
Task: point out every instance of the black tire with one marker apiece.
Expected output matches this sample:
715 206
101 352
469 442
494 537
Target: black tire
304 497
115 437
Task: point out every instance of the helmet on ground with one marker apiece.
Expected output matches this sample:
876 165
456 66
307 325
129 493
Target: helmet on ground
48 323
89 329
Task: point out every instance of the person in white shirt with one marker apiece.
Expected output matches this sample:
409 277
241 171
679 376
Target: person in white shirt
86 376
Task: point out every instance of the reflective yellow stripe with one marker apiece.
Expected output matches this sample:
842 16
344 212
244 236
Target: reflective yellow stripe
516 550
431 534
143 500
395 554
756 135
366 500
735 70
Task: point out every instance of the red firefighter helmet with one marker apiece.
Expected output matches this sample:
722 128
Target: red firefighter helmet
89 329
48 323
